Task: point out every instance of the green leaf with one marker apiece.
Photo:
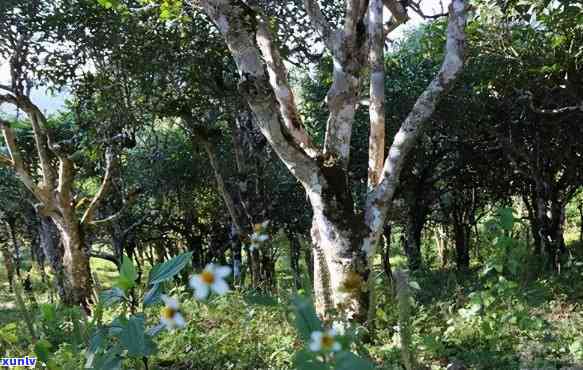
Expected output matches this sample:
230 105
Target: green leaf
414 285
42 350
110 360
153 295
506 218
111 296
128 271
306 320
169 269
350 361
132 336
49 312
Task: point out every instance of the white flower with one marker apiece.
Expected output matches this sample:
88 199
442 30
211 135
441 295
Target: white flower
339 327
324 341
170 315
211 278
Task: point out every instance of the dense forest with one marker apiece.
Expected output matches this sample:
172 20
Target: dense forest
291 184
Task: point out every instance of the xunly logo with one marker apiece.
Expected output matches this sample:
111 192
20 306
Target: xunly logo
18 361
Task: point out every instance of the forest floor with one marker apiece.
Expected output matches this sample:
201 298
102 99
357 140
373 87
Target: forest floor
536 323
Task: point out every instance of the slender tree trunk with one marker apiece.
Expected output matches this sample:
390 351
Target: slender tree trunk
441 242
53 251
295 252
462 248
415 223
580 208
11 224
386 251
7 256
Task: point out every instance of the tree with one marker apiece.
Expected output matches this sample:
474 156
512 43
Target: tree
343 238
24 36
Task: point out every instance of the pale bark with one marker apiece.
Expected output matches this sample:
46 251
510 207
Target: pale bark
342 238
55 197
378 202
376 147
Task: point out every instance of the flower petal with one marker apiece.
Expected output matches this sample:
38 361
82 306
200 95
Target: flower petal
201 291
179 320
168 323
222 271
220 286
336 347
317 336
263 238
315 346
210 268
170 302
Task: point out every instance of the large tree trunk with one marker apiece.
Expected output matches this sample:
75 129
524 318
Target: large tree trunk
339 266
76 260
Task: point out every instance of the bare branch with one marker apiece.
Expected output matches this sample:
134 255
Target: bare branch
378 201
103 189
278 79
17 162
416 7
376 148
5 161
530 96
320 23
66 178
397 10
254 85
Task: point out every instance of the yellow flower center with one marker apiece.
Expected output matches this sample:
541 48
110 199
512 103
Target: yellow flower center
168 313
207 277
327 342
257 228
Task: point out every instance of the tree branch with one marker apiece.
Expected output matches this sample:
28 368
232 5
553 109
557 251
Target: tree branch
376 147
530 96
283 93
378 201
320 23
17 162
232 21
5 161
103 189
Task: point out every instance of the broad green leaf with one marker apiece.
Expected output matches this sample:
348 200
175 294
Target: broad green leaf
111 296
109 360
169 269
152 296
133 336
42 350
128 270
306 319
